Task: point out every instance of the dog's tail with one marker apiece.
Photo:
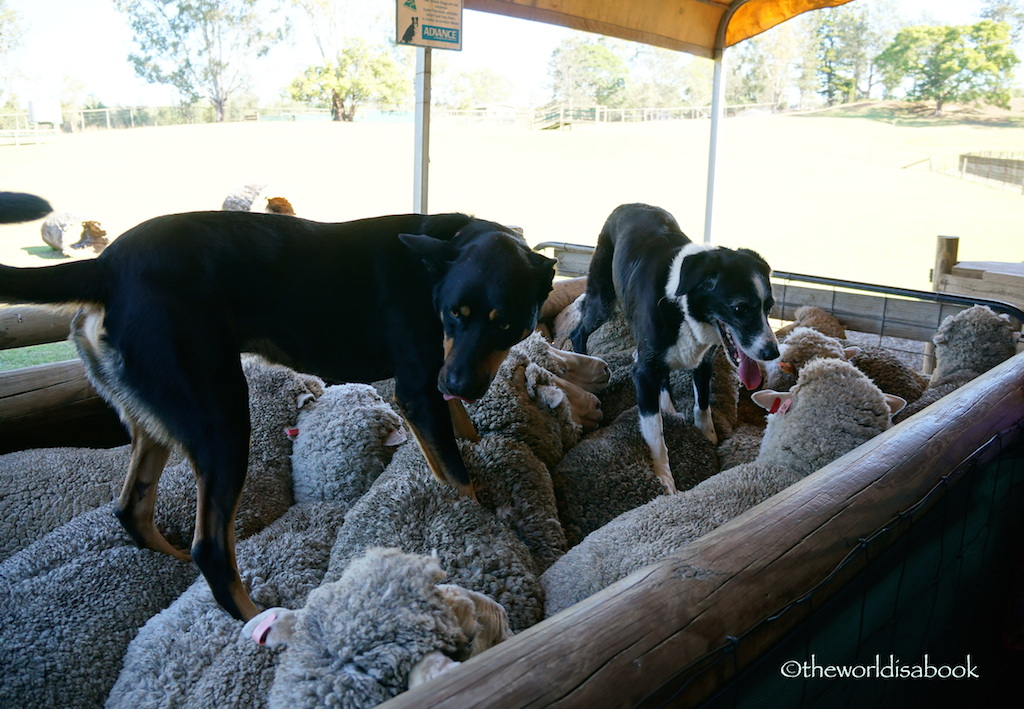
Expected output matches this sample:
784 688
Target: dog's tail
70 282
20 207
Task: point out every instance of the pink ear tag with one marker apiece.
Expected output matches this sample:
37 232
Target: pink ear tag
261 631
292 432
785 406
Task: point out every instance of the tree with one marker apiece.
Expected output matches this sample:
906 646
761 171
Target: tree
361 74
201 47
10 39
656 78
951 63
467 90
1009 11
584 73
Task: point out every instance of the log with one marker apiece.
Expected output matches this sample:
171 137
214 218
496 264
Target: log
644 640
24 325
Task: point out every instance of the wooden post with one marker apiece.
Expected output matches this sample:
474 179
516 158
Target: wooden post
946 248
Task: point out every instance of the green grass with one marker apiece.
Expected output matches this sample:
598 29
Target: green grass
36 354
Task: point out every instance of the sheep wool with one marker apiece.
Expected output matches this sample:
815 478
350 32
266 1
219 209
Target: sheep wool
358 638
406 508
192 654
834 409
345 440
610 471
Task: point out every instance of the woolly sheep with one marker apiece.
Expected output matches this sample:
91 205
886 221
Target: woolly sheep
832 410
967 345
610 471
620 392
815 318
613 336
257 198
192 653
343 441
351 646
71 602
44 488
880 365
407 509
89 586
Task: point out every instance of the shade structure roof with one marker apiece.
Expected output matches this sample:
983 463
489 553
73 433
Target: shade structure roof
698 27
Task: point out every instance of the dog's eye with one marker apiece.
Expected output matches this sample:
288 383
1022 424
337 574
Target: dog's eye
503 326
454 313
740 310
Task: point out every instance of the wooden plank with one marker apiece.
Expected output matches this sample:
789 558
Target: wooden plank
981 288
24 325
641 641
33 396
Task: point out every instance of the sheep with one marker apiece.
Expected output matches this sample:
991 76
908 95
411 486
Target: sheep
44 488
815 318
883 368
92 241
407 509
343 441
832 410
620 392
192 654
613 336
967 345
72 601
351 647
255 198
610 471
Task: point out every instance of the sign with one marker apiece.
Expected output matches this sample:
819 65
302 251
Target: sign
429 23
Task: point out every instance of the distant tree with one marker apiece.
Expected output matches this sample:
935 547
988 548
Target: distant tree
201 47
1009 11
586 73
841 55
951 63
467 90
656 78
10 39
359 75
762 68
697 80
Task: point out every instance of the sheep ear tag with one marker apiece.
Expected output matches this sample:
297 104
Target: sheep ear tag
774 402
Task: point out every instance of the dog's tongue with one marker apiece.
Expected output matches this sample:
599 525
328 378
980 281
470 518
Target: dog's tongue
750 373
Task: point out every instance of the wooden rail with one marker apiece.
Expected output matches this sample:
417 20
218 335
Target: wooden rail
642 640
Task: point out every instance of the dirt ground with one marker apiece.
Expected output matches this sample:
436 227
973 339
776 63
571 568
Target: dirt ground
849 197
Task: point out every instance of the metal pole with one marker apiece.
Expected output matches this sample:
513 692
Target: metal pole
717 108
421 153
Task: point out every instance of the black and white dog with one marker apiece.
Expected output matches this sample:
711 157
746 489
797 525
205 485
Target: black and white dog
681 300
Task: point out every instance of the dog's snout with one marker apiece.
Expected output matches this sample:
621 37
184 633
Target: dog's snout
770 351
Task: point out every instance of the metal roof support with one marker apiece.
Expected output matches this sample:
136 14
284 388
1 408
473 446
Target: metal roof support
421 152
717 112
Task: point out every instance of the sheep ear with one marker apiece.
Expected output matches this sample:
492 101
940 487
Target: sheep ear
396 437
895 403
772 401
851 352
431 665
550 396
437 255
304 398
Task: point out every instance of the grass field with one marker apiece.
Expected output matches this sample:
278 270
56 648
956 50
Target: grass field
828 194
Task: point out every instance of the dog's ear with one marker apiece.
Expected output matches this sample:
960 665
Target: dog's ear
762 266
698 271
545 268
436 254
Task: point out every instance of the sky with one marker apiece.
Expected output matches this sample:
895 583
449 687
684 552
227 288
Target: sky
88 41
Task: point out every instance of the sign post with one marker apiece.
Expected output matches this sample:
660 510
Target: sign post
426 24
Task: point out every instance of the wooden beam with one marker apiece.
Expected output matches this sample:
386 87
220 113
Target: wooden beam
24 325
643 639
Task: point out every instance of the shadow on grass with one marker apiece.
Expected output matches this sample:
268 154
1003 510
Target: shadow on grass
922 115
44 252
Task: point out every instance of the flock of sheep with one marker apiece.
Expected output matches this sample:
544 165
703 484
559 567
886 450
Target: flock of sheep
376 576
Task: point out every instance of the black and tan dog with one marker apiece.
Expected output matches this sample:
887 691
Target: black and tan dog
681 301
435 301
